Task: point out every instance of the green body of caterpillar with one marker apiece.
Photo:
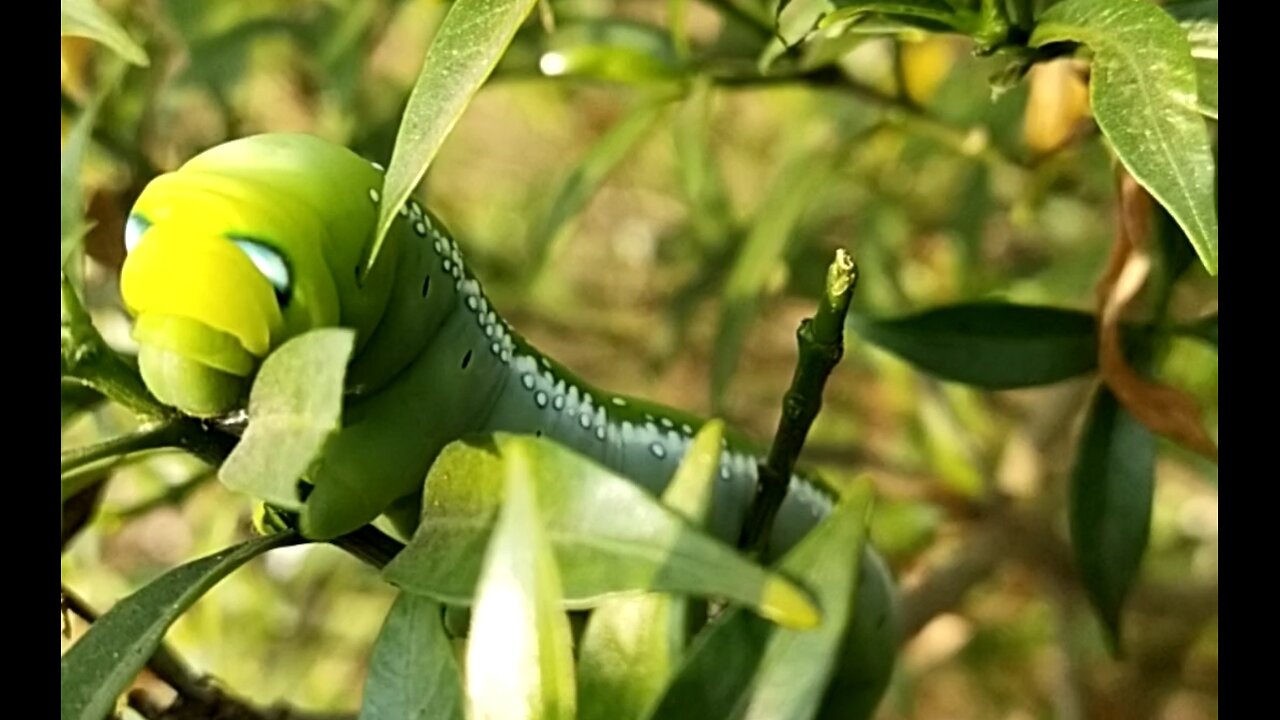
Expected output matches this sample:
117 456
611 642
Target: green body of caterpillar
262 238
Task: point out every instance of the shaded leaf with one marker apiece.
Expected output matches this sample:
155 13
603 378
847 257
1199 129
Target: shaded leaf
581 501
1112 485
85 18
105 660
520 654
743 667
869 650
993 345
1206 329
412 671
632 645
295 405
1143 91
467 46
590 172
74 150
77 398
700 178
761 254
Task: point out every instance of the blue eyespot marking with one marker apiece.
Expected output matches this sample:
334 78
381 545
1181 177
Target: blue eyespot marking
134 227
270 263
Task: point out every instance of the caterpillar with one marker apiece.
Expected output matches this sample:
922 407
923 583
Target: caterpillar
259 239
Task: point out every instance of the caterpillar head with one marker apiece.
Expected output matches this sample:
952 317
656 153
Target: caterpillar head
219 272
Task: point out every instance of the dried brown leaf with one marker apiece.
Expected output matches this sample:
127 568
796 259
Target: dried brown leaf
1165 410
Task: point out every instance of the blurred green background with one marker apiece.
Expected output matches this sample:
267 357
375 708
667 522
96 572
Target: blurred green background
964 197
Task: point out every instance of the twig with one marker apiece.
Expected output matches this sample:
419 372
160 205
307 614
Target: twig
198 697
144 439
87 358
821 341
370 545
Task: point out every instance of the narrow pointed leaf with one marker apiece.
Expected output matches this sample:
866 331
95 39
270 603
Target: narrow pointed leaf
582 503
295 405
85 18
467 46
613 50
102 663
520 655
588 175
1112 485
632 645
990 344
1143 91
762 252
869 650
412 672
743 667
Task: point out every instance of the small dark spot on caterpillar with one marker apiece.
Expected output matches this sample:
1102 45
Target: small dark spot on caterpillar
466 360
537 433
426 285
304 490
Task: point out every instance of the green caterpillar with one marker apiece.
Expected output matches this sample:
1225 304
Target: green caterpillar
262 238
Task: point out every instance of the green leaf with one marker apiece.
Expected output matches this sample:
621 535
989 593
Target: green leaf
700 178
105 660
743 667
631 646
467 46
613 50
1143 91
761 255
869 651
654 550
829 20
294 407
1112 485
589 174
73 225
989 344
85 18
412 671
520 652
1200 20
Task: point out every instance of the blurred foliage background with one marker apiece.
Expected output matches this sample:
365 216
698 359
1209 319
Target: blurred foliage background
942 192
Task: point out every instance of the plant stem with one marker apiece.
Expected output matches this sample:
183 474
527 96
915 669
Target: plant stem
821 341
370 545
87 358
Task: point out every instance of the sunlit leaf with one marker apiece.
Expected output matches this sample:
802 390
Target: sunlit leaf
613 50
1143 91
520 653
1200 19
632 645
467 46
294 407
654 550
85 18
